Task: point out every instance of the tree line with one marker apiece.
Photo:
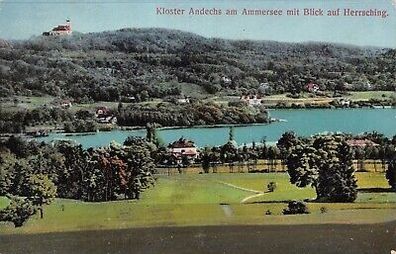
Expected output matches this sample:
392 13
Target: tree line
189 114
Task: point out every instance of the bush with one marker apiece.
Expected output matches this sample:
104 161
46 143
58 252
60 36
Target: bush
271 186
296 207
268 212
323 209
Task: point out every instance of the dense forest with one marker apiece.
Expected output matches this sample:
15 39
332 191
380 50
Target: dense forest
153 63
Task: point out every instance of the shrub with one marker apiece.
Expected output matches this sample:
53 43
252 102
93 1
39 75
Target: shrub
296 207
323 209
268 212
271 186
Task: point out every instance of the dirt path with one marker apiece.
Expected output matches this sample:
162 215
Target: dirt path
253 196
238 187
257 193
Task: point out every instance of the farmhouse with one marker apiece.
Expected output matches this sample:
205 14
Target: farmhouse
183 100
64 29
105 115
183 147
312 87
251 100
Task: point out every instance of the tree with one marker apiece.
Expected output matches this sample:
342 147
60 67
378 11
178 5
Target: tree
42 191
231 134
70 178
325 163
287 141
391 174
18 211
336 177
302 166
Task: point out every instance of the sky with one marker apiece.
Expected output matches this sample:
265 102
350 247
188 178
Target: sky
21 19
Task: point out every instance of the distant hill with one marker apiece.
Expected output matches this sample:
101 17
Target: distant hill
156 62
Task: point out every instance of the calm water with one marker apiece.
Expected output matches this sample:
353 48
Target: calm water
303 122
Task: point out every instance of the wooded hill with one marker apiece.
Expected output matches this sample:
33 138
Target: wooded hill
155 63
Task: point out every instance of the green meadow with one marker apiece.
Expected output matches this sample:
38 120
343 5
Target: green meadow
214 199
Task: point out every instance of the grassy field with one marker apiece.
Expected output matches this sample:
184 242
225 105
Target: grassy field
213 199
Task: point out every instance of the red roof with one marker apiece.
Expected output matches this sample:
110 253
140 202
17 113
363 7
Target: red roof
312 85
61 28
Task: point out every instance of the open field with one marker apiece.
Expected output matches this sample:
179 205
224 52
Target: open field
214 199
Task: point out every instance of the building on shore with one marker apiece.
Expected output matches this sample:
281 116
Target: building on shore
183 147
312 88
252 100
105 115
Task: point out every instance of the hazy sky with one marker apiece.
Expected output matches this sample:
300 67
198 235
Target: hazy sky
20 19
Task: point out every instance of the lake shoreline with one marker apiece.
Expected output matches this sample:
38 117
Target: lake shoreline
305 122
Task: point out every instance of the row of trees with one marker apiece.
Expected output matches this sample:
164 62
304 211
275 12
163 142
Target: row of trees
236 155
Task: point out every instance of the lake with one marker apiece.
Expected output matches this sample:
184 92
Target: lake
304 122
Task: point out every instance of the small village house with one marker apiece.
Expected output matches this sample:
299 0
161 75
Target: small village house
312 87
183 147
225 80
251 100
66 104
105 115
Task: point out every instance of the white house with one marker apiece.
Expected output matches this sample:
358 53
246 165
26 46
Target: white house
183 147
252 101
